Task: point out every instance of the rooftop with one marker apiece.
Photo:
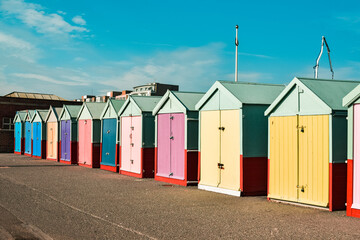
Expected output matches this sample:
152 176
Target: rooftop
34 96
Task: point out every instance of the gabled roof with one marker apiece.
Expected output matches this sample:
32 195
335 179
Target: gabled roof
42 114
95 109
73 110
30 113
351 97
187 99
244 92
113 103
330 92
21 115
144 103
55 110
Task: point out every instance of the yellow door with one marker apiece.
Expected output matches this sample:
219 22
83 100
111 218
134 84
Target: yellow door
314 160
210 148
283 163
230 150
50 133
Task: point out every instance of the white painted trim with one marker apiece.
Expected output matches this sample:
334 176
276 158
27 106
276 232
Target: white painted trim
330 139
220 190
355 205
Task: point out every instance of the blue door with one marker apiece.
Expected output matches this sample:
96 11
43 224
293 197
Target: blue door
108 142
28 137
18 137
37 139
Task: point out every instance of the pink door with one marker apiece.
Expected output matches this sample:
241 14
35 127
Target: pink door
163 145
125 143
356 180
136 144
177 145
85 142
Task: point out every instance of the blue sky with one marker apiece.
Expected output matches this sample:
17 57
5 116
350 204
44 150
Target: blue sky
73 48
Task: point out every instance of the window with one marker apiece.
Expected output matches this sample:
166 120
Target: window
7 123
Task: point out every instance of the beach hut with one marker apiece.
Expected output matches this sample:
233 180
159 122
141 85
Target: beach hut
109 145
137 136
39 134
352 102
176 138
233 137
68 134
52 131
89 134
19 132
307 143
28 132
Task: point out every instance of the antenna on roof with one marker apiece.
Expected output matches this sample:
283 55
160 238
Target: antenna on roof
236 53
316 67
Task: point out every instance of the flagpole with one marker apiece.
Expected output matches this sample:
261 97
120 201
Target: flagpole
236 54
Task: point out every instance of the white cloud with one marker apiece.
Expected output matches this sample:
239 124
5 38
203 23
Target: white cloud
193 69
13 47
7 40
79 20
255 55
34 16
47 79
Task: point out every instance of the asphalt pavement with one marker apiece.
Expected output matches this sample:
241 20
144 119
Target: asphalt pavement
41 199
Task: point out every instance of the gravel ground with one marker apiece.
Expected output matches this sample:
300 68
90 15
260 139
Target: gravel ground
41 199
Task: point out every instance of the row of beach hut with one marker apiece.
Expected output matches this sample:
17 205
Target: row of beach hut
295 143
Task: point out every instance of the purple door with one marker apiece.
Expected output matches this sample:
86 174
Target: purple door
65 140
163 145
177 145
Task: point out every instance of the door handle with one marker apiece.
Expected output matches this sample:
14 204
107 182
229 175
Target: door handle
302 188
132 144
172 137
172 117
108 131
221 128
220 165
171 174
132 161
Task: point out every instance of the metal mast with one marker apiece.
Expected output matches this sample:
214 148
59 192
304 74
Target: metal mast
316 67
236 54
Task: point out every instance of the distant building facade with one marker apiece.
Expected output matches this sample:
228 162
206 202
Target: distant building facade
17 101
150 89
153 89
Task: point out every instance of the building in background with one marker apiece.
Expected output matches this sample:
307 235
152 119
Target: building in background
17 101
149 89
124 95
154 89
